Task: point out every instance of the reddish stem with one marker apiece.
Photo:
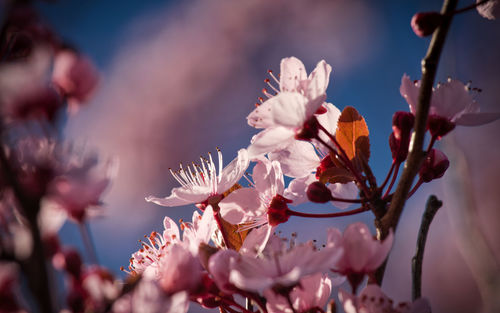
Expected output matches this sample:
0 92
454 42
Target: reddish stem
388 175
470 7
218 220
431 143
392 181
347 200
417 185
326 215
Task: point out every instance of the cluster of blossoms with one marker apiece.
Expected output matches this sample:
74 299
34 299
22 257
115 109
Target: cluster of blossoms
306 150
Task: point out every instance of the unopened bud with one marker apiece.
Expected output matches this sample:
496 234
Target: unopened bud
402 123
434 166
319 193
425 23
439 126
277 212
69 260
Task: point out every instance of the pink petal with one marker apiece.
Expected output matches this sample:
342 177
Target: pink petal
409 90
475 119
241 205
270 140
172 200
297 188
381 252
318 80
358 245
256 240
291 109
312 106
292 71
299 159
171 230
219 268
344 191
329 121
451 99
233 172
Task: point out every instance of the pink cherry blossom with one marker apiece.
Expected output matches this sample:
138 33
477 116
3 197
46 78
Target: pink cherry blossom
200 183
312 292
373 300
278 265
489 9
451 100
362 253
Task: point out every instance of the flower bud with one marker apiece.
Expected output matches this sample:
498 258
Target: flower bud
434 166
439 126
319 193
402 123
425 23
277 212
69 260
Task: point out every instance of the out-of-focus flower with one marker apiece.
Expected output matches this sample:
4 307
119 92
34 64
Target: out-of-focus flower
149 297
362 255
311 293
101 287
373 300
9 286
489 9
451 100
281 267
399 140
76 77
425 23
202 183
179 270
435 165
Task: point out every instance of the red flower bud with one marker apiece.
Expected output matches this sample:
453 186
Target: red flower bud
425 23
434 166
402 123
319 193
439 126
325 164
277 212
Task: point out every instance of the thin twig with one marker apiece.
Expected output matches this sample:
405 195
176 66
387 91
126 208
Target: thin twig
326 215
416 154
431 208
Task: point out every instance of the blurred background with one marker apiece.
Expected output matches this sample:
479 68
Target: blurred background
180 77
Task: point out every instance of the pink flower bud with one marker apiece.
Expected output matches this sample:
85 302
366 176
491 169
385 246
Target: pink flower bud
399 140
439 126
425 23
434 166
69 260
319 193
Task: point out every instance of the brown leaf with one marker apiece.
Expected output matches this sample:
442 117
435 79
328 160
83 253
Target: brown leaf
234 236
352 135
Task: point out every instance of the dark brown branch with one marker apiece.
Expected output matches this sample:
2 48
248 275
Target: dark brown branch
431 208
416 153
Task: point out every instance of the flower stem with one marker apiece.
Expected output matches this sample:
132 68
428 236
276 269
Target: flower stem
218 220
416 155
417 185
392 181
326 215
431 207
388 175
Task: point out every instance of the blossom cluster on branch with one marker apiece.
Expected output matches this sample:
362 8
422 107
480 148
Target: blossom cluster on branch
306 150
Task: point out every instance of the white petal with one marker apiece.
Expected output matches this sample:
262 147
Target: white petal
233 172
292 71
329 121
179 196
270 140
298 159
318 80
409 90
451 99
290 109
297 188
475 119
256 240
345 191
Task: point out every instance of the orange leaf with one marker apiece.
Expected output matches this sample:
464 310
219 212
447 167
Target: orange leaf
352 135
234 236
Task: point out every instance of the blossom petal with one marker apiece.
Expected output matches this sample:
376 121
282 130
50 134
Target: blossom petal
297 188
381 252
475 119
241 205
179 196
233 172
298 159
318 80
256 240
358 245
451 99
409 90
292 71
345 191
270 140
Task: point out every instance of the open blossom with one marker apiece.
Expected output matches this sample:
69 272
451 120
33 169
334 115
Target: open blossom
200 183
286 114
373 300
280 266
489 9
451 100
363 254
311 293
